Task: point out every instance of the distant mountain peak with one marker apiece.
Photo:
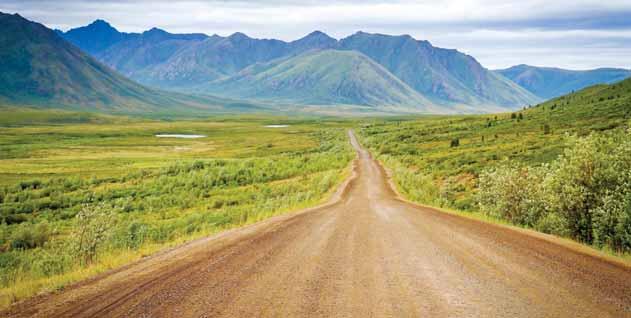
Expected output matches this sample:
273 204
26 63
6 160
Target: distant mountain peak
155 31
315 39
100 21
17 15
361 35
94 37
238 36
100 24
155 34
317 33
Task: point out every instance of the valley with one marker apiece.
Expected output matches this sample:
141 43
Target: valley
154 173
244 169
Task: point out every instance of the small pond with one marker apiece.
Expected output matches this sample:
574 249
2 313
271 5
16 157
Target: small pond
186 136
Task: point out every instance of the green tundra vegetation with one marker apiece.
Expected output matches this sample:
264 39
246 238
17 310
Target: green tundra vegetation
82 193
80 198
561 167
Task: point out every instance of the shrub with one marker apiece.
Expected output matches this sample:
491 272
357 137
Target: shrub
131 236
92 228
585 194
552 223
29 236
514 193
587 175
546 129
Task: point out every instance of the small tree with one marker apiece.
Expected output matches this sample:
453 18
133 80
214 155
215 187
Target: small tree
94 223
520 116
546 129
455 143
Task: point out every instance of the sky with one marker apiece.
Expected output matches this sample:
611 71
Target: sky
579 34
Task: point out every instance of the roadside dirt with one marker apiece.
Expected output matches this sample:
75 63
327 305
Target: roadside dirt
364 254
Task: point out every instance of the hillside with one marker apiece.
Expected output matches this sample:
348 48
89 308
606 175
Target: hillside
210 59
433 168
324 77
143 50
548 82
598 107
439 74
39 68
218 57
561 167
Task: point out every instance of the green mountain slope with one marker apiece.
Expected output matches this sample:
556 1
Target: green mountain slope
437 160
548 82
439 74
597 107
218 57
324 77
39 68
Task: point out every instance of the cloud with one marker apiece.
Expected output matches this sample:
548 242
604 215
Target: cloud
496 32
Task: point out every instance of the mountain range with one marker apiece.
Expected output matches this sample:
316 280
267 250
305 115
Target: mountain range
443 80
96 67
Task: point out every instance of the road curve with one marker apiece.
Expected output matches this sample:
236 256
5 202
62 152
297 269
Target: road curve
365 254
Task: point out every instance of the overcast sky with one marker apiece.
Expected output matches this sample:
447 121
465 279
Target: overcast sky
570 34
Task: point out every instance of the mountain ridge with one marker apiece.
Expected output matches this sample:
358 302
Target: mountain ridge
550 82
440 74
447 76
39 68
384 69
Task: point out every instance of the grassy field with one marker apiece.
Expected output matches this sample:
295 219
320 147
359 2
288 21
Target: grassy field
439 160
80 198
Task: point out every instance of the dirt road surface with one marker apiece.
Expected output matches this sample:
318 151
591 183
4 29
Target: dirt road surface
364 254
